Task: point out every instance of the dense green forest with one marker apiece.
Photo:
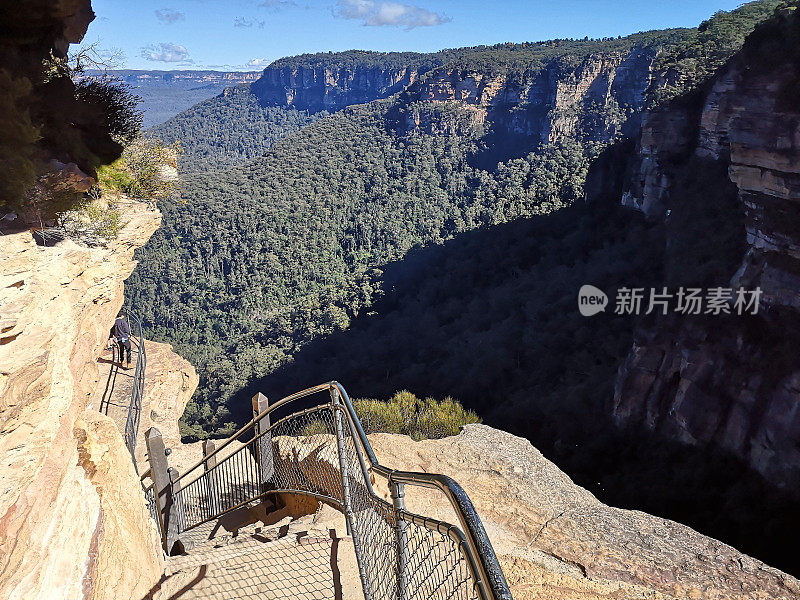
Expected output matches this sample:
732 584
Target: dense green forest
229 129
687 62
256 261
365 59
353 249
296 239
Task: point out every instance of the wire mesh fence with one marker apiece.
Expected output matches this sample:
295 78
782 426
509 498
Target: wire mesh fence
318 452
435 565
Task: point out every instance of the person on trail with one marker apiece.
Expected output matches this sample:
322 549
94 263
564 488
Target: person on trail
121 335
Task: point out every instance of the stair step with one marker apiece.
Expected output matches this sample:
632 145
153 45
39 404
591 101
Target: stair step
289 559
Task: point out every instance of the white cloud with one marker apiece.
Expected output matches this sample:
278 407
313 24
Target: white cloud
276 5
169 15
247 22
166 52
377 13
258 62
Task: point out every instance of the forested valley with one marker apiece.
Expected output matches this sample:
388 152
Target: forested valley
309 246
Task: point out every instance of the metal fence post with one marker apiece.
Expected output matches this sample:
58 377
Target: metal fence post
162 486
398 493
212 485
348 505
263 447
346 498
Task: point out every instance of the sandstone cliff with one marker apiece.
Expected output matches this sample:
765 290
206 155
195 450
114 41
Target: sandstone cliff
551 103
735 382
73 520
555 540
329 88
545 104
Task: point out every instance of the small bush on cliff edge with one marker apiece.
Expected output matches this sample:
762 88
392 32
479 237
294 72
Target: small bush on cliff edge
146 170
93 220
406 414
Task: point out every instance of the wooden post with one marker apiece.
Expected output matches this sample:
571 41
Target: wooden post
162 486
212 484
264 458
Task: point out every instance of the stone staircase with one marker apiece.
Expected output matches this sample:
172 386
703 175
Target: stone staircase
247 555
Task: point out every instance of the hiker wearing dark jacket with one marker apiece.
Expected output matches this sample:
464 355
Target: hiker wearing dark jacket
121 333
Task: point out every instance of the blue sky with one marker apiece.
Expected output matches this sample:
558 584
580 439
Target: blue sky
248 34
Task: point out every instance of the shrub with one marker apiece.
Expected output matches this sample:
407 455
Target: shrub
152 167
18 135
114 178
147 170
91 220
114 105
406 414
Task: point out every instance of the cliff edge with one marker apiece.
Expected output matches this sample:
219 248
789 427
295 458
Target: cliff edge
734 383
73 520
554 539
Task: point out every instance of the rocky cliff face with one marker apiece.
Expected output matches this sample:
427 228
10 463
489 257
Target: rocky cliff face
73 519
327 88
737 383
545 105
551 103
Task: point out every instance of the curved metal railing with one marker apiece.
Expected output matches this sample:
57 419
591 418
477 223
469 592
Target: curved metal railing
135 406
131 430
323 452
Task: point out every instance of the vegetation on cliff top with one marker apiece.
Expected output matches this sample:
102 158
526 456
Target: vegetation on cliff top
422 419
352 59
52 116
689 62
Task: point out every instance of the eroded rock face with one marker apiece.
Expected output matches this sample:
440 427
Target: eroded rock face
543 105
325 88
547 105
734 384
73 520
555 540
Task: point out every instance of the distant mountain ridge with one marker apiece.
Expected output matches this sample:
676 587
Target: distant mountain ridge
188 76
527 93
167 93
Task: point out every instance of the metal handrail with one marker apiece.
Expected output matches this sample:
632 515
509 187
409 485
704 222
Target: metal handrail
476 537
478 550
250 424
137 392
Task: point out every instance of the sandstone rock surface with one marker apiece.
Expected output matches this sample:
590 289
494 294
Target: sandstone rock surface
556 540
73 521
